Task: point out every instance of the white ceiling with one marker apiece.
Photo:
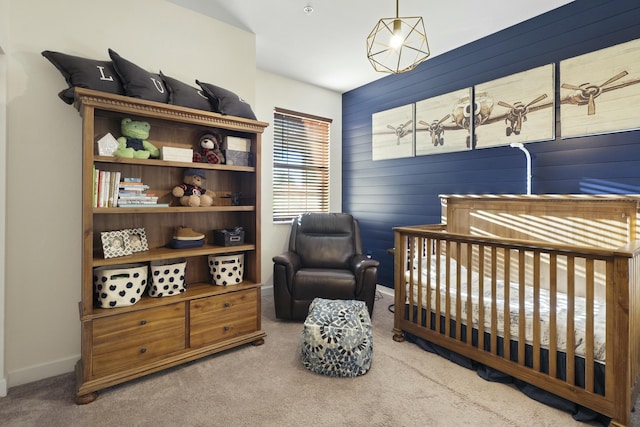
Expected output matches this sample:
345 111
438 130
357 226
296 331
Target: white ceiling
327 48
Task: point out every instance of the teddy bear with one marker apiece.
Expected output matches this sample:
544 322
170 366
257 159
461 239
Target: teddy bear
191 192
133 142
209 150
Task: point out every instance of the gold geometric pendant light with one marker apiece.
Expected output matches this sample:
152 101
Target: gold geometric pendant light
397 45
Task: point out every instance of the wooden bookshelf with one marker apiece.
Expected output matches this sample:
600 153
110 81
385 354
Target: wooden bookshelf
123 343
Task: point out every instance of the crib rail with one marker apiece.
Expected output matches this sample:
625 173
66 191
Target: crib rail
438 306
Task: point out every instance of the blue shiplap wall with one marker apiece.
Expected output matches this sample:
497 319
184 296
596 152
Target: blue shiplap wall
397 192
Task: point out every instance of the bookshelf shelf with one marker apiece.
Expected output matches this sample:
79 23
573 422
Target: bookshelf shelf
168 163
195 290
167 253
127 342
170 209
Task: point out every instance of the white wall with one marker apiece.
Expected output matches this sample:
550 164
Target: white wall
43 159
275 91
4 22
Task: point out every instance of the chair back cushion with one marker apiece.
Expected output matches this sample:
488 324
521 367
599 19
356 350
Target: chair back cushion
324 240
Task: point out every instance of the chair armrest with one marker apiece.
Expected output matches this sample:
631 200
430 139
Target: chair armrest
366 271
290 260
290 263
360 263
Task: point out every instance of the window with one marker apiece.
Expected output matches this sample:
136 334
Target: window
300 164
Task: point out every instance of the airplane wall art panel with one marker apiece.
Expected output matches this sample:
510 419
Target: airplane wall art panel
392 133
599 91
442 123
515 108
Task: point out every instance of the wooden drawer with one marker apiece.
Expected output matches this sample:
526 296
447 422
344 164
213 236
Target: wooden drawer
223 317
129 340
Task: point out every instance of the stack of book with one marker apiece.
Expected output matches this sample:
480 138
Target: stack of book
133 193
105 188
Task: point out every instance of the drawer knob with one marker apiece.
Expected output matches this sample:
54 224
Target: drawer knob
143 350
143 322
227 304
227 328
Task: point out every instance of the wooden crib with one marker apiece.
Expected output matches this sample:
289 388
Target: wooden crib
510 280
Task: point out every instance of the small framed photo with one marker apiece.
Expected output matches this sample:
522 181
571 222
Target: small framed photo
115 243
138 240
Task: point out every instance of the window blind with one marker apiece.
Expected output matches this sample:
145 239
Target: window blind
300 164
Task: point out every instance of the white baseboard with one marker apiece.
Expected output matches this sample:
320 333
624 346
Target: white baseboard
3 387
384 290
39 372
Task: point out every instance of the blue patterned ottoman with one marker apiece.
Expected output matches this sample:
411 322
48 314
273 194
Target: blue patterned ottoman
337 339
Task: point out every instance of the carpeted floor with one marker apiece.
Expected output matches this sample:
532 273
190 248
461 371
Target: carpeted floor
267 386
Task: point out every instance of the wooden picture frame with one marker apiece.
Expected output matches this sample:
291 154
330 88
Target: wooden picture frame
392 133
521 108
440 126
600 91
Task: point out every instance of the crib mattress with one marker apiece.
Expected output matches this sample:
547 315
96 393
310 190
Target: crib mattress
580 306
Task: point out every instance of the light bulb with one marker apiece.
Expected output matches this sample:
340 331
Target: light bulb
396 39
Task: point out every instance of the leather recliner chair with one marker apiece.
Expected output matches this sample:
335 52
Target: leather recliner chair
324 260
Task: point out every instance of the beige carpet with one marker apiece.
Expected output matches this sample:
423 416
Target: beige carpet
267 386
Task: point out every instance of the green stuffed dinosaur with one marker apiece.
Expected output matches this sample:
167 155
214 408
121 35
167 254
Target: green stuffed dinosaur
133 143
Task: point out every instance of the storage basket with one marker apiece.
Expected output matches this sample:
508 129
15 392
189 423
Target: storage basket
167 277
226 269
229 237
119 285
